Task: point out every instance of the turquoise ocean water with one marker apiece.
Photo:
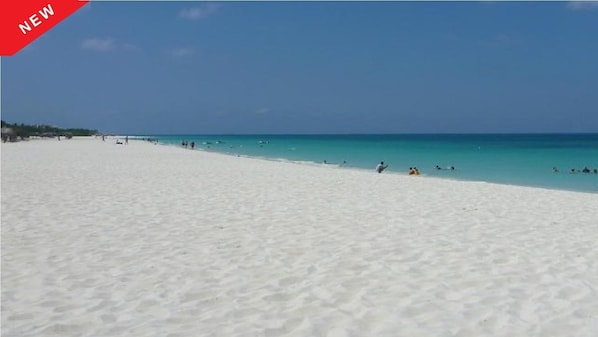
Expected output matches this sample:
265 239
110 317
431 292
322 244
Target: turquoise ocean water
515 159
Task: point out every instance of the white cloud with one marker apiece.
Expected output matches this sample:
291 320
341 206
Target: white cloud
576 5
180 52
101 45
107 45
197 13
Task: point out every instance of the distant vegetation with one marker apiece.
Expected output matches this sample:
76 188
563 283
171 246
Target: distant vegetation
15 131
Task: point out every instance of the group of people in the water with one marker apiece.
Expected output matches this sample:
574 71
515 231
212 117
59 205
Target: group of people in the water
452 168
574 170
413 171
186 144
326 162
207 144
150 140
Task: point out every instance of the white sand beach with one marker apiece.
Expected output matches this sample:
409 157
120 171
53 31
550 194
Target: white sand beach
100 239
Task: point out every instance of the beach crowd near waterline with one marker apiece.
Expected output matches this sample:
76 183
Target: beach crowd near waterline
146 240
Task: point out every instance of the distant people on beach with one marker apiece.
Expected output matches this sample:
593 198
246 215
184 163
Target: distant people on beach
126 139
192 145
381 167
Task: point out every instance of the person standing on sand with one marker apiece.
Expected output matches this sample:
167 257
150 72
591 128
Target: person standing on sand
381 167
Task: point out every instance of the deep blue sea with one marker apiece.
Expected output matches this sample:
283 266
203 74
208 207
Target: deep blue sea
515 159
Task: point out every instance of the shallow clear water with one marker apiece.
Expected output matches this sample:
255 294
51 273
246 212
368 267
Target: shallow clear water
520 159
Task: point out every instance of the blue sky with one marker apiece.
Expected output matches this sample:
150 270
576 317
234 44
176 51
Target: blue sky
312 67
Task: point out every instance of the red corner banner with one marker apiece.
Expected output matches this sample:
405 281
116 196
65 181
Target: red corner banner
21 22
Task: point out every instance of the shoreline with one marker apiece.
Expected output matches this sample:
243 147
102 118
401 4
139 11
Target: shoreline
142 139
103 239
387 172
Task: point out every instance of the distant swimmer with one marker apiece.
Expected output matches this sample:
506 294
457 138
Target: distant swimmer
413 171
555 170
381 167
437 167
